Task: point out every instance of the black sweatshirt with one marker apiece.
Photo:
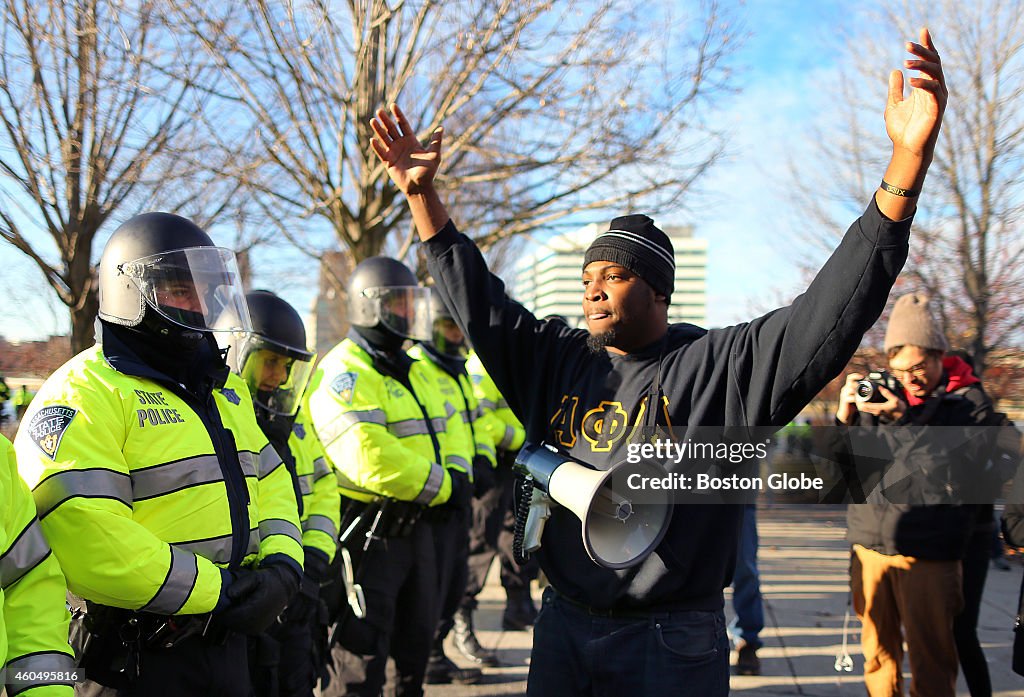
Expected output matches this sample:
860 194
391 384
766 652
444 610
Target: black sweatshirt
761 374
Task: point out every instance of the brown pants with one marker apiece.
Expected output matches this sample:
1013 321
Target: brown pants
923 596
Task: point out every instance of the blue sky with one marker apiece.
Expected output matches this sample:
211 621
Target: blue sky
743 211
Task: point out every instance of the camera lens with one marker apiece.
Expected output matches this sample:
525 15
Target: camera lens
865 389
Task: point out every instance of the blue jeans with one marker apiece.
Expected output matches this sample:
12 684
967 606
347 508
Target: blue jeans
577 654
746 585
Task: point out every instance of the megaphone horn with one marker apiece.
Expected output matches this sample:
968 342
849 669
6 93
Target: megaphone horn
620 527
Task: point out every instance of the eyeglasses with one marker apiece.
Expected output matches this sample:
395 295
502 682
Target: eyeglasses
917 371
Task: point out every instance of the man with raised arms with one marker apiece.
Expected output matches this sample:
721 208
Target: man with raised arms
658 628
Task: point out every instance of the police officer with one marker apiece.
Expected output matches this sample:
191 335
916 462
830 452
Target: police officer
159 494
275 364
380 419
5 394
34 652
22 398
467 446
493 520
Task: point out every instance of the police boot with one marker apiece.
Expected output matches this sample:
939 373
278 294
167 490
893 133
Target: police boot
520 611
467 643
441 670
747 662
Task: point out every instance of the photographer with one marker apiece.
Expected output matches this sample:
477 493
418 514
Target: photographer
909 538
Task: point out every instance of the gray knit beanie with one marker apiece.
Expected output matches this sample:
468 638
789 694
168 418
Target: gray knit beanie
912 324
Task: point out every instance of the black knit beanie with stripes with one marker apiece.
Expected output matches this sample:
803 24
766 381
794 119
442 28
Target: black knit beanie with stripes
635 242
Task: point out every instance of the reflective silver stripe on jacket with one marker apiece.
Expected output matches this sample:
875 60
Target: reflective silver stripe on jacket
306 484
345 483
218 549
177 586
169 477
92 483
277 526
320 469
322 523
440 425
502 403
28 549
37 670
409 427
457 461
248 462
508 438
269 461
485 448
342 422
434 481
487 404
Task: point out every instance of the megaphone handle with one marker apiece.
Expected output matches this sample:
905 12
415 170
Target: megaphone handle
540 511
521 507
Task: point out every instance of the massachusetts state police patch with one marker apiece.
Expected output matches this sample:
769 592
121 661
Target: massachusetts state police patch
47 428
344 385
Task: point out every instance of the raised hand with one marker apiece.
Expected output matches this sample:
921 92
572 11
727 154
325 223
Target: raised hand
410 166
913 121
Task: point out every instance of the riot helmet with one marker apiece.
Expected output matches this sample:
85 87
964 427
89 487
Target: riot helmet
273 359
447 335
386 304
162 273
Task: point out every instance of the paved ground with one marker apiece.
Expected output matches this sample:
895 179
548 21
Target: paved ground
803 561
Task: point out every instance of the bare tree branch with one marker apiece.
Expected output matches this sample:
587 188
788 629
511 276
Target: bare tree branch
96 98
967 250
549 106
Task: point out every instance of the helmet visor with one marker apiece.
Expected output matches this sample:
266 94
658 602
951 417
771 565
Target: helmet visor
405 310
276 378
198 288
448 338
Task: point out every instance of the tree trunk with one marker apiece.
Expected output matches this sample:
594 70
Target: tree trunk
83 319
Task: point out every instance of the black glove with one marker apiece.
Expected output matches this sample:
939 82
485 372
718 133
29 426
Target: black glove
257 598
305 605
483 476
462 490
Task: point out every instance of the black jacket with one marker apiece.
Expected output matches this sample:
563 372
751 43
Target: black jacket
932 459
758 374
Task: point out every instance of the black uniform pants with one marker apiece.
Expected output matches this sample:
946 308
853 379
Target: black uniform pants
451 540
399 581
491 533
281 660
193 667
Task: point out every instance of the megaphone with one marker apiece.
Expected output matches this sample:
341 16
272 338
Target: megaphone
621 527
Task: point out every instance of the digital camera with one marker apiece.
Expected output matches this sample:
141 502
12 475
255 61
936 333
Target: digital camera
867 389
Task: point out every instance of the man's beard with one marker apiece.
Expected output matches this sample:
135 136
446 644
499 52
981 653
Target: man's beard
598 343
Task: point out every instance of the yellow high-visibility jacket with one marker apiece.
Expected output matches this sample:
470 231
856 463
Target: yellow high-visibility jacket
318 485
140 500
465 436
379 436
33 616
508 433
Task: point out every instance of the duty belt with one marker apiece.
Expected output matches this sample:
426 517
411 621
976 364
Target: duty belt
363 524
